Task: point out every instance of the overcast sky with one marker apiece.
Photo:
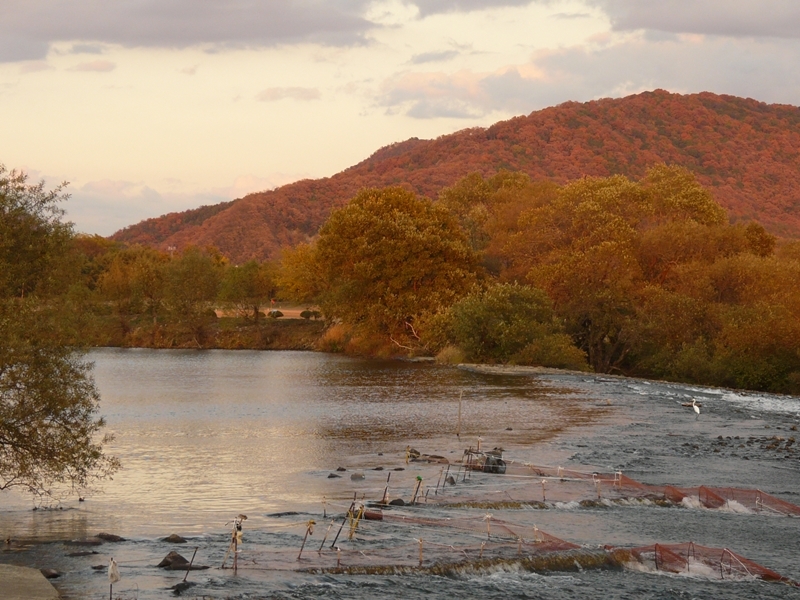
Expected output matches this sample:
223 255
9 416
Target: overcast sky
154 106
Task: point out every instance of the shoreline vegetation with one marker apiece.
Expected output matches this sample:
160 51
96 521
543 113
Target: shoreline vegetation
642 278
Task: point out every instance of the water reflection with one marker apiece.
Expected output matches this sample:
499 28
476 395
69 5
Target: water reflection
203 435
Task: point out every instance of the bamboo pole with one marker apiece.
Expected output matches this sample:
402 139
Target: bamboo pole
349 510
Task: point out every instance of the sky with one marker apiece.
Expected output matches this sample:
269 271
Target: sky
154 106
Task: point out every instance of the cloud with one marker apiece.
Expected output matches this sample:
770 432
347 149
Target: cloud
97 66
764 18
106 206
28 27
34 66
292 93
86 49
433 7
464 94
428 57
763 69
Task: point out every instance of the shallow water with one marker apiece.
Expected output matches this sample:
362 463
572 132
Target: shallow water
205 436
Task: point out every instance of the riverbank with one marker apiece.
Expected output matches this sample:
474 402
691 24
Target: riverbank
24 583
215 333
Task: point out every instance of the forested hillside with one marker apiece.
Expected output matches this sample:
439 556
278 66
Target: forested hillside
745 152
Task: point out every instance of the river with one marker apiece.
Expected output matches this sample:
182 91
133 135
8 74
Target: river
207 435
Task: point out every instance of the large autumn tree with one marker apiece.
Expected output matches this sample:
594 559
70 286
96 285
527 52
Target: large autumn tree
386 260
48 401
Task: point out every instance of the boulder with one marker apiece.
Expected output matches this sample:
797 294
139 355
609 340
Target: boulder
174 539
171 560
175 562
110 537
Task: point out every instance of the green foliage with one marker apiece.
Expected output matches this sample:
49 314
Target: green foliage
191 285
510 322
49 428
555 350
249 286
34 242
388 258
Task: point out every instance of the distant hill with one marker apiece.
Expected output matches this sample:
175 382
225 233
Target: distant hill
746 152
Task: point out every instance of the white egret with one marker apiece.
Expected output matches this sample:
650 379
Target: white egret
696 409
113 576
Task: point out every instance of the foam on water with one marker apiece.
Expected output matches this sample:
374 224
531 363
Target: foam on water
764 402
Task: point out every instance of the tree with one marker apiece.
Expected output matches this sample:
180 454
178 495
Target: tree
248 287
387 259
48 401
192 282
512 323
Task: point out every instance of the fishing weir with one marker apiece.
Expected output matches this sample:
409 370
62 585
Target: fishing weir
438 517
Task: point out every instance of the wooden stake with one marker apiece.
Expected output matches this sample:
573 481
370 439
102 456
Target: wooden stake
189 568
416 491
349 510
458 428
385 499
309 531
325 537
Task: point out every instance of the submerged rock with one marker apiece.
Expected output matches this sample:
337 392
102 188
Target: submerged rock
175 562
50 573
357 476
174 539
110 537
181 587
171 559
334 476
398 502
90 541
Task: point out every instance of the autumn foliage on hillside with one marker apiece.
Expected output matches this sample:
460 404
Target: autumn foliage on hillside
746 152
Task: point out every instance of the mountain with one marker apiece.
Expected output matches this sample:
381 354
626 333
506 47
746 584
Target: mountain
746 152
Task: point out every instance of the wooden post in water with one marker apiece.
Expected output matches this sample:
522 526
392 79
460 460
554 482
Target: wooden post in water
385 499
416 491
309 531
458 427
325 537
349 510
189 568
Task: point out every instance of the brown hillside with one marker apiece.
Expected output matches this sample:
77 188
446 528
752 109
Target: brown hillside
746 152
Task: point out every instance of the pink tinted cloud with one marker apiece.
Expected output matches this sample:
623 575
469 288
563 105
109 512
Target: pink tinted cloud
96 66
291 93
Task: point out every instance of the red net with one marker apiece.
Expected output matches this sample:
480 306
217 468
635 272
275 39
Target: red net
703 560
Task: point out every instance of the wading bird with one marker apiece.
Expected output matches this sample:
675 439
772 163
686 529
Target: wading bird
696 409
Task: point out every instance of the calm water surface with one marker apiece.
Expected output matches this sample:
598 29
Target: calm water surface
204 436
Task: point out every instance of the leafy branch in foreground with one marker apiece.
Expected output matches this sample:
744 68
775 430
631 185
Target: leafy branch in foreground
50 440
